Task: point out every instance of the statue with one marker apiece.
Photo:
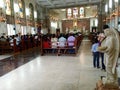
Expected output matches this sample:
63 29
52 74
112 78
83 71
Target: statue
111 47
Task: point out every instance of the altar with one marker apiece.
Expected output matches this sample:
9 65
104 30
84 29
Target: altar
79 25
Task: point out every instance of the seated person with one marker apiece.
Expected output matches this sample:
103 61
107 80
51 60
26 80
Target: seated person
12 41
18 41
71 43
46 44
2 38
54 40
62 43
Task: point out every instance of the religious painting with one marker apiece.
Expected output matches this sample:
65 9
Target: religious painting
21 8
8 7
31 10
75 12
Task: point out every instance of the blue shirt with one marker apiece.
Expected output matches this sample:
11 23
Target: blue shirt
95 47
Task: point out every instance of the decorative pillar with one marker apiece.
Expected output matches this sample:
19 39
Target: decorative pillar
101 16
100 23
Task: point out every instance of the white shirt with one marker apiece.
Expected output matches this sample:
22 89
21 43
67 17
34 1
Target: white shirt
62 42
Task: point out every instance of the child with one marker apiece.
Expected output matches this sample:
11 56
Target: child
95 53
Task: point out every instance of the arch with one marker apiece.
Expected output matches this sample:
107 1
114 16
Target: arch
31 8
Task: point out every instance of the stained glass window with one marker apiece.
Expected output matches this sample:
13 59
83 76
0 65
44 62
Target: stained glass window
81 11
69 13
75 12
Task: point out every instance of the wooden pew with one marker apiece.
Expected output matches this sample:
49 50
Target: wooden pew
5 47
9 47
63 50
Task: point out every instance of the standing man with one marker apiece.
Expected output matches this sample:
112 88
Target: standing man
95 52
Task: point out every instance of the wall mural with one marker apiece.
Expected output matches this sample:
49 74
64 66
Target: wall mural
21 8
8 7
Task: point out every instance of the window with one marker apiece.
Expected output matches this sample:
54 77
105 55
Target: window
81 11
75 12
23 30
69 13
11 29
33 30
54 24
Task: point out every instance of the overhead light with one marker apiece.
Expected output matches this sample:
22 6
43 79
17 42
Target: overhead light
116 0
63 9
88 7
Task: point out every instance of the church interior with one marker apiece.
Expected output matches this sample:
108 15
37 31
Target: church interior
35 49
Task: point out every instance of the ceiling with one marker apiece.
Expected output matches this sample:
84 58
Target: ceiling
65 3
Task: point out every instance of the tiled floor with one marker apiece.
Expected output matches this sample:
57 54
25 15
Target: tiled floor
50 72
